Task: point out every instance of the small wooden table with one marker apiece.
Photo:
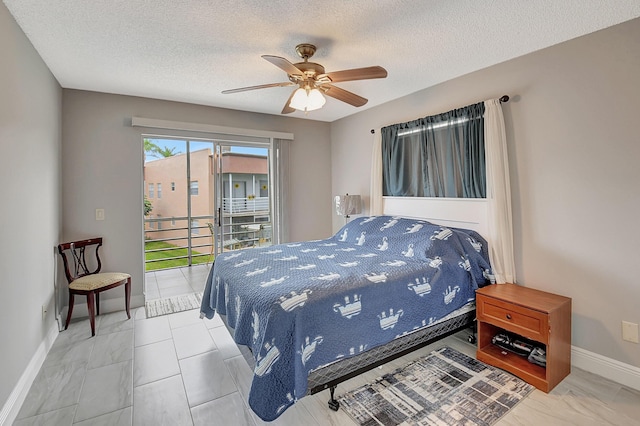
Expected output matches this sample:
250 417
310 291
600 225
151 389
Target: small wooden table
537 315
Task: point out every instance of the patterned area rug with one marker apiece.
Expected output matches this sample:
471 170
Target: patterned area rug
445 387
171 305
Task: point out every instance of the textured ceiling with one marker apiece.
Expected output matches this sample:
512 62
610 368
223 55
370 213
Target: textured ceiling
191 50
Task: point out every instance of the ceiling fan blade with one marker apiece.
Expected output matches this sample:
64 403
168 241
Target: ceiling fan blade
283 64
355 74
343 95
287 109
262 86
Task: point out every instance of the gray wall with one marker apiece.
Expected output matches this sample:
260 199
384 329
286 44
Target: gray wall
573 147
572 143
30 108
102 168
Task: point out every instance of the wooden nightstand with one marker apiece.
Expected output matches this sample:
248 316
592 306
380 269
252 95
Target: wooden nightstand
538 316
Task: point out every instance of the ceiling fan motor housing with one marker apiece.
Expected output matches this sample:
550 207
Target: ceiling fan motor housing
305 50
310 70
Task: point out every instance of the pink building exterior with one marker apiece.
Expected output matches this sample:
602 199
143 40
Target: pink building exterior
245 183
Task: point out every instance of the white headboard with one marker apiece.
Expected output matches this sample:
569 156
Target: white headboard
469 213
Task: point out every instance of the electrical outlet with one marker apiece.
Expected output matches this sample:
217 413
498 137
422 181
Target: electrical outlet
44 312
630 332
99 214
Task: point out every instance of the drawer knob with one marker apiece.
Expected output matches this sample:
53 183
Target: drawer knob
508 316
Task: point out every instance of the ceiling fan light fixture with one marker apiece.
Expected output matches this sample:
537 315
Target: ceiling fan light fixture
316 100
314 82
307 100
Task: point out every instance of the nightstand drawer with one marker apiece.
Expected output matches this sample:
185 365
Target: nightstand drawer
525 322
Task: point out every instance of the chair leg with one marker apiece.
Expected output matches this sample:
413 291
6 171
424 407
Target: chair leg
91 303
70 310
97 304
127 296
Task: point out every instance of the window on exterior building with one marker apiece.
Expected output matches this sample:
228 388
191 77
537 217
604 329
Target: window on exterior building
194 227
151 190
159 188
193 187
264 188
173 186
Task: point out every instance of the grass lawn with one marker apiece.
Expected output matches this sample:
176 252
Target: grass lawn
172 251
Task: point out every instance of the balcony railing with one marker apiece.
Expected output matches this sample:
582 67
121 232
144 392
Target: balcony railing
245 205
168 243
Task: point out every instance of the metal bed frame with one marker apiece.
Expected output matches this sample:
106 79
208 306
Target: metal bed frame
330 376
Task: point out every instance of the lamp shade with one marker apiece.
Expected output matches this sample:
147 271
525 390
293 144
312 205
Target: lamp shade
307 100
299 99
315 100
347 205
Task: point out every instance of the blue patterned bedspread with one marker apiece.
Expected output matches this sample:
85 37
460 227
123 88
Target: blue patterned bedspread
301 306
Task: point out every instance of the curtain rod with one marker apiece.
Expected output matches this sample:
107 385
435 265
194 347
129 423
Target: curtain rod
503 99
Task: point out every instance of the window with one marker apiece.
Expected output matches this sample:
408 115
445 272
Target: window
150 190
264 188
207 161
436 156
193 187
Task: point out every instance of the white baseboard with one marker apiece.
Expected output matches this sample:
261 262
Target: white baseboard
14 403
611 369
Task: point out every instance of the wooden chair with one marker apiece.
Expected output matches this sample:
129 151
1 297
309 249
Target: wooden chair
89 283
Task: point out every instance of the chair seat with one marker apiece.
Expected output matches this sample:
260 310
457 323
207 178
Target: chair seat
96 281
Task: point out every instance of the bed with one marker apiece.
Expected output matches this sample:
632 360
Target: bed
315 313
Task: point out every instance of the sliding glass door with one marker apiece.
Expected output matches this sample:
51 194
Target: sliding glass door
243 216
203 197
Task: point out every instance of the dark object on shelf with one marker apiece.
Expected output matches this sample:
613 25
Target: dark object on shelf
538 356
511 344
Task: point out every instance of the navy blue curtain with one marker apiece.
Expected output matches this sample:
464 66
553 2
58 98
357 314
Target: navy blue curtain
437 156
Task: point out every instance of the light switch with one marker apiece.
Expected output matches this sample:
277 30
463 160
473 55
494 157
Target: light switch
630 332
99 214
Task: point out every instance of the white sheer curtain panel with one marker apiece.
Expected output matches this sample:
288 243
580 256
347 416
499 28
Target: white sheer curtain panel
375 198
498 194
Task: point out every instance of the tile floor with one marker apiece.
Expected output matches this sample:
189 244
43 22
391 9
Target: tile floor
181 370
174 282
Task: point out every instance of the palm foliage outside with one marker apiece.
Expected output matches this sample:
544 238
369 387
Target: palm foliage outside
154 150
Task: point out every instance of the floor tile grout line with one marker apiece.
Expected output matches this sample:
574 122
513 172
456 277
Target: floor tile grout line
47 412
245 402
103 414
133 364
184 386
84 379
157 380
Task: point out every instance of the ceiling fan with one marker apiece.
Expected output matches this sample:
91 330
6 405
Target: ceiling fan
313 81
